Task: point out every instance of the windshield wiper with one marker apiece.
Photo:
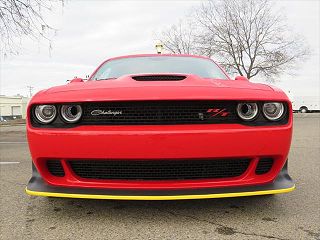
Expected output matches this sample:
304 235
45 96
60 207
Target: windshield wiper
101 79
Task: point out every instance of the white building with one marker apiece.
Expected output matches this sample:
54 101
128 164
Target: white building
13 107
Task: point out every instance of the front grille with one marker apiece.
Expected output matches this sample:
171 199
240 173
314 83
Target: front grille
159 112
55 168
264 165
159 78
159 169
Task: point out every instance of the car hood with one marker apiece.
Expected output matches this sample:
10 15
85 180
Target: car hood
126 88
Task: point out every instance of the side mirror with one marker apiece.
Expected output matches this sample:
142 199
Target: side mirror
241 78
75 80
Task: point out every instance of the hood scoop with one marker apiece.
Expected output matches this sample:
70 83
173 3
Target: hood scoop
159 78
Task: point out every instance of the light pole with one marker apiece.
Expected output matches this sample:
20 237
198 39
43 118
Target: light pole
30 88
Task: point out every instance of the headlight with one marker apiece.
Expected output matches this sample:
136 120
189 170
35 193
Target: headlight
247 111
45 113
273 110
71 113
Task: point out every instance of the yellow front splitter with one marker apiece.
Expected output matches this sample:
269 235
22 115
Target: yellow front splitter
169 197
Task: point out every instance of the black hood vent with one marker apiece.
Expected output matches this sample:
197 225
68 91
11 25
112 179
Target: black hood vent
159 78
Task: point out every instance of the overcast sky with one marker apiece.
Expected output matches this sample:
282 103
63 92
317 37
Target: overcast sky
92 31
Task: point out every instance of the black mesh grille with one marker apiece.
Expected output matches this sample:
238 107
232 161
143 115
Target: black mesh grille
159 169
159 112
264 165
55 168
159 78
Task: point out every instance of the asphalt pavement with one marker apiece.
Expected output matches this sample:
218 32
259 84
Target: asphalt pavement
295 215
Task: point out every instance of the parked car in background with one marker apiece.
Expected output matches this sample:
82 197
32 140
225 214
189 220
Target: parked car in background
306 104
2 119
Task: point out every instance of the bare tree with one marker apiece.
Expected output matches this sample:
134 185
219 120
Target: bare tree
20 18
180 38
247 37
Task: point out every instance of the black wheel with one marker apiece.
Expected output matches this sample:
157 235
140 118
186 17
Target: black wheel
303 110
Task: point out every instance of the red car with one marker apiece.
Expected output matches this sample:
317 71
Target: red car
159 127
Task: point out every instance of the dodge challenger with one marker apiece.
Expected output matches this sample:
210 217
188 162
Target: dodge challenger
159 127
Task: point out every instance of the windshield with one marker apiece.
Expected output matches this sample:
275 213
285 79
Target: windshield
161 64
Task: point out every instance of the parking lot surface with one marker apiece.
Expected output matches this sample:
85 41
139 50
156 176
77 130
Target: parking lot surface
294 215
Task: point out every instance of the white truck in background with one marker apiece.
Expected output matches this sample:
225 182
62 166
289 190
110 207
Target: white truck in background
306 104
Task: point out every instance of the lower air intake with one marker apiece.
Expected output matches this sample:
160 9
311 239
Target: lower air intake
159 169
264 165
55 168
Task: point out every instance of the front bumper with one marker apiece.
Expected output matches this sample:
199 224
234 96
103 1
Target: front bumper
38 187
160 142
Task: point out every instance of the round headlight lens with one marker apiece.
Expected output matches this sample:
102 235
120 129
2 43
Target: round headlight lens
71 113
273 110
247 111
45 113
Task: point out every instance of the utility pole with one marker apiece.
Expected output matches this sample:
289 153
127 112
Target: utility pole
30 88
